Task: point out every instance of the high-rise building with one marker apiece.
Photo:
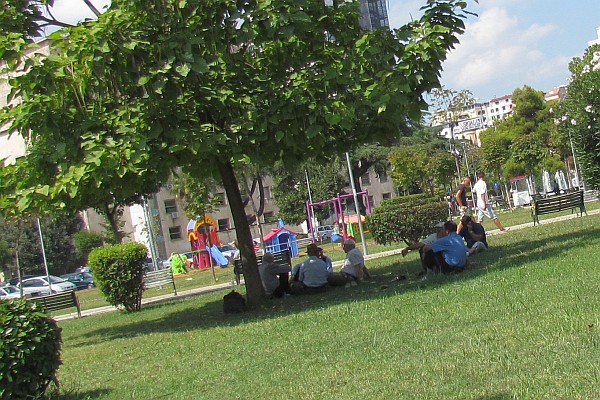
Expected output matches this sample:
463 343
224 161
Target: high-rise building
373 14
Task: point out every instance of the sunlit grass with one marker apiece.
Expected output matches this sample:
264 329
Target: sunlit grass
521 323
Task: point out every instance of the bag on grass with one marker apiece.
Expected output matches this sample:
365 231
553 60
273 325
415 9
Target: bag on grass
234 303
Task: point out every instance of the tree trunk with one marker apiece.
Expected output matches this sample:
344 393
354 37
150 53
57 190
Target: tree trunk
111 218
254 289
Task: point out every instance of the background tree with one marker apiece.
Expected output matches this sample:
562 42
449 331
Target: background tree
152 86
524 143
579 117
451 106
85 242
326 179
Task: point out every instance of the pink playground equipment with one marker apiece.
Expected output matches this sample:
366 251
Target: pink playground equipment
344 223
202 233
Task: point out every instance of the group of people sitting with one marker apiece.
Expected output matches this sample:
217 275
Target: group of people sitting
447 250
313 274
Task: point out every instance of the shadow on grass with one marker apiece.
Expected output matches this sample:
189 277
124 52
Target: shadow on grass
85 395
205 314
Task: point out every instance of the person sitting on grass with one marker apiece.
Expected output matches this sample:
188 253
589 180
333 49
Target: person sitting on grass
325 259
439 233
354 268
311 274
474 234
274 277
447 254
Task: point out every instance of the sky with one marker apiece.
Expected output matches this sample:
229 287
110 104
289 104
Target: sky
509 44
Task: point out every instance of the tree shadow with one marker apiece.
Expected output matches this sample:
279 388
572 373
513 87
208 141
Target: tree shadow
207 314
84 395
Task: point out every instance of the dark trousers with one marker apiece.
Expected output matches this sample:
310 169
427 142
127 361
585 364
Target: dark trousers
284 286
437 263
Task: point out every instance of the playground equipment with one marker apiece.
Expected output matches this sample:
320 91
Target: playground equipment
281 239
202 234
343 222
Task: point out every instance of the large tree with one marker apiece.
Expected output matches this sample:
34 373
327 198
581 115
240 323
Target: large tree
578 117
206 84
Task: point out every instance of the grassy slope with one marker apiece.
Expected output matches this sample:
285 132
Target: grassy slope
522 323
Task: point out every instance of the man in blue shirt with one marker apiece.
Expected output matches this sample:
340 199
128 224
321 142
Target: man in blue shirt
449 252
311 273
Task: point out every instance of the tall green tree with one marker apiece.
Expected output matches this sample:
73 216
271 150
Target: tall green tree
579 117
152 85
524 143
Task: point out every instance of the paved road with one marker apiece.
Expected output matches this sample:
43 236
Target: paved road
224 286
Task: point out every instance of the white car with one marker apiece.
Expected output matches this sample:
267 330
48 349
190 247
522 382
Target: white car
230 251
324 232
9 292
38 286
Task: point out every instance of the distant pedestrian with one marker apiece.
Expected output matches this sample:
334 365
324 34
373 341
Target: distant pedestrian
461 199
484 208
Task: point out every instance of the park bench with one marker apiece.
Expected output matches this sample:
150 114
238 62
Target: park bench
557 203
159 278
282 257
59 301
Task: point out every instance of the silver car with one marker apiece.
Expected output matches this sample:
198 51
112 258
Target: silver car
9 292
38 286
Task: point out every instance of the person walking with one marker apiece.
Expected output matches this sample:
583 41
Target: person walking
484 208
461 200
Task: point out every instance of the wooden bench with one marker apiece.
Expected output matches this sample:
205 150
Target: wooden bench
59 301
159 278
557 203
282 257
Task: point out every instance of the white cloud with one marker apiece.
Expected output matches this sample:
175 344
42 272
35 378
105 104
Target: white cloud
497 51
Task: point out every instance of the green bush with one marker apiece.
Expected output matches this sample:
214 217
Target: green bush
29 350
85 242
407 218
118 272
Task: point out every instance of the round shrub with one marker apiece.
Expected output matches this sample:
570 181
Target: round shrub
30 344
118 272
406 218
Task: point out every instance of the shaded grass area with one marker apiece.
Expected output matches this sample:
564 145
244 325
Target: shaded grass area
521 323
92 298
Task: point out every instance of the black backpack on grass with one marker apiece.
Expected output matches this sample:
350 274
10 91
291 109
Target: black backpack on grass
234 303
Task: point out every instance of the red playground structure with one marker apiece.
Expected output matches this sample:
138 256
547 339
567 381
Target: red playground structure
202 233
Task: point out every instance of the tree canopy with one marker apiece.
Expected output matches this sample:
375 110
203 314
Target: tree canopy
578 117
152 85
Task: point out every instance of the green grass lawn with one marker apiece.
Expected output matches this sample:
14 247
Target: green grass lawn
522 323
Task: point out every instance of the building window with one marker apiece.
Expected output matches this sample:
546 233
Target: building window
371 201
267 192
220 199
386 196
170 206
383 177
223 224
365 179
175 232
269 216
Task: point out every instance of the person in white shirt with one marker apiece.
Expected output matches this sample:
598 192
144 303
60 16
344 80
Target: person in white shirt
484 208
354 265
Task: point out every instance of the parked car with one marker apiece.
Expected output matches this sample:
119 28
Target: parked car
230 251
83 280
14 281
9 292
38 286
324 232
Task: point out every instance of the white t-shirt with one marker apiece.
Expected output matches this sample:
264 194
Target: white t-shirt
353 263
481 189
